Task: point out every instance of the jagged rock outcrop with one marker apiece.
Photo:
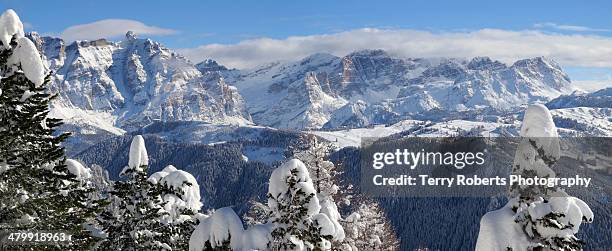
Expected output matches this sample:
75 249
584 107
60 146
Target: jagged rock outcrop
135 82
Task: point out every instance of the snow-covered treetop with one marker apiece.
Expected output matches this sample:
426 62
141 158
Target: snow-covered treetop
279 185
10 25
538 150
178 179
538 122
156 177
539 127
219 227
25 55
138 154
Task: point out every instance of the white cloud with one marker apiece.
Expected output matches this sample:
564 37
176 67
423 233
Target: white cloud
504 45
565 27
111 28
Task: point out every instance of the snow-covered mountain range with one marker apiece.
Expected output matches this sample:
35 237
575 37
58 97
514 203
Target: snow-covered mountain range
373 87
128 84
113 87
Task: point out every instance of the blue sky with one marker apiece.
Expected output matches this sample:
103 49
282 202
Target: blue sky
240 33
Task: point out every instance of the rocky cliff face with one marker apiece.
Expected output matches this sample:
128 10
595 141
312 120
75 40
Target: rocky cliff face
135 82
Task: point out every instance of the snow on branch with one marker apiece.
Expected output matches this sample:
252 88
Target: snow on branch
185 184
138 154
10 26
25 55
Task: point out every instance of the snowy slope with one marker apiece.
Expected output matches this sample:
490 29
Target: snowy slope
581 121
601 99
290 95
352 137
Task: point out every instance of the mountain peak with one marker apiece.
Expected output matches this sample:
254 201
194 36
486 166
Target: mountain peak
538 61
130 36
136 81
210 65
369 53
317 57
484 63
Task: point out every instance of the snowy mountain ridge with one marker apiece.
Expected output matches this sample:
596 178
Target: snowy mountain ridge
135 82
377 88
600 99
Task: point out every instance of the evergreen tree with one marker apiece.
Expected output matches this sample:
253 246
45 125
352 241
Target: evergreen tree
314 153
537 154
295 210
181 201
221 230
37 191
134 222
547 218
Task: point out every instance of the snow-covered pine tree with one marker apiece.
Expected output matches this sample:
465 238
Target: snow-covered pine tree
314 153
135 221
222 230
182 203
37 191
100 182
536 217
292 199
368 229
541 210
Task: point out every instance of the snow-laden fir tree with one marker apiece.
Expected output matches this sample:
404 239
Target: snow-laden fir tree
38 190
297 219
536 217
298 223
220 231
141 217
182 203
314 153
368 229
258 213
